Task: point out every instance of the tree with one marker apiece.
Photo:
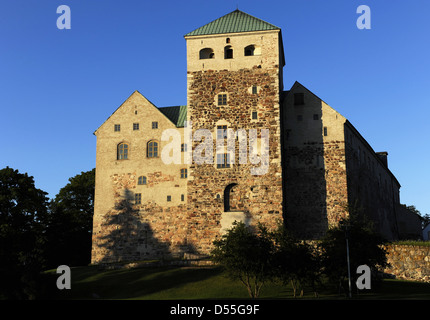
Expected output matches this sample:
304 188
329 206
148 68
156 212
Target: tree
22 206
295 261
246 256
364 249
69 222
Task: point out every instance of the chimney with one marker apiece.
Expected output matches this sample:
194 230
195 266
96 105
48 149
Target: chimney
383 156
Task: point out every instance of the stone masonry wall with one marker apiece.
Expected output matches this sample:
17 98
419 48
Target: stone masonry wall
409 262
260 195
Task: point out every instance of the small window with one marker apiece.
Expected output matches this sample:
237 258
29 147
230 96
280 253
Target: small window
325 131
141 180
228 52
221 132
184 173
254 89
117 127
227 40
299 117
182 197
222 99
223 160
183 147
299 98
135 126
254 115
169 198
152 151
137 198
122 151
155 125
316 117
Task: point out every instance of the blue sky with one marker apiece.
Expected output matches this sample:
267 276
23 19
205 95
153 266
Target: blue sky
58 86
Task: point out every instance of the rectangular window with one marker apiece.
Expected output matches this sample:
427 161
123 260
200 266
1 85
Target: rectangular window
155 125
135 126
183 147
254 89
299 98
182 197
137 198
169 198
221 132
223 160
254 115
222 99
325 131
117 127
184 173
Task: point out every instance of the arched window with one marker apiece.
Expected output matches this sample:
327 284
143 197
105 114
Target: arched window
228 52
252 50
227 40
122 151
206 53
231 198
141 180
152 150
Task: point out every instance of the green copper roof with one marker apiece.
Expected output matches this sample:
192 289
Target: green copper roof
236 21
177 114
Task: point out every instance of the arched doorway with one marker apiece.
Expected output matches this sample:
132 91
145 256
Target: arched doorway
233 200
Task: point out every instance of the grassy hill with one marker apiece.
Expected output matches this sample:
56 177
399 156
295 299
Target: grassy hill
164 283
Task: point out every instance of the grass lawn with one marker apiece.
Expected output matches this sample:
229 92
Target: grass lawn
164 283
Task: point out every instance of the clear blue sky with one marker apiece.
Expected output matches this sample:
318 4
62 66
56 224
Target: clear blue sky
58 86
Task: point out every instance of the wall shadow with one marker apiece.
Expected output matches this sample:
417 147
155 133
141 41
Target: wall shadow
126 237
304 169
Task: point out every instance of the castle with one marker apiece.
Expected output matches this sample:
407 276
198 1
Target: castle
170 180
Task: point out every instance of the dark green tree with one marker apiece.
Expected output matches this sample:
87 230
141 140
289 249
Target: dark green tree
364 249
295 261
246 256
69 222
22 206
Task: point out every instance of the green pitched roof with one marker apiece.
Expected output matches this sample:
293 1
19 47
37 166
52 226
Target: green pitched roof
177 114
236 21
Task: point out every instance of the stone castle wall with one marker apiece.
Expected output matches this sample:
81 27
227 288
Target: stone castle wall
409 262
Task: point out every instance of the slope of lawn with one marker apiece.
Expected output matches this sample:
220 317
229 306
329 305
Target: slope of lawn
164 283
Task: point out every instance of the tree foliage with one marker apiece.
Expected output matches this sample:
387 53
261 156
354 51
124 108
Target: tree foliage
246 256
69 222
364 249
22 206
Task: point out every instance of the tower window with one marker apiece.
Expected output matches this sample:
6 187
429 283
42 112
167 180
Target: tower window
183 147
221 132
152 151
254 89
155 125
325 131
206 53
169 198
122 151
135 126
299 98
223 160
117 127
227 40
182 197
254 115
228 52
222 99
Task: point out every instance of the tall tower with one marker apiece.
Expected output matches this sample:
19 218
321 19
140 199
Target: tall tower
234 81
